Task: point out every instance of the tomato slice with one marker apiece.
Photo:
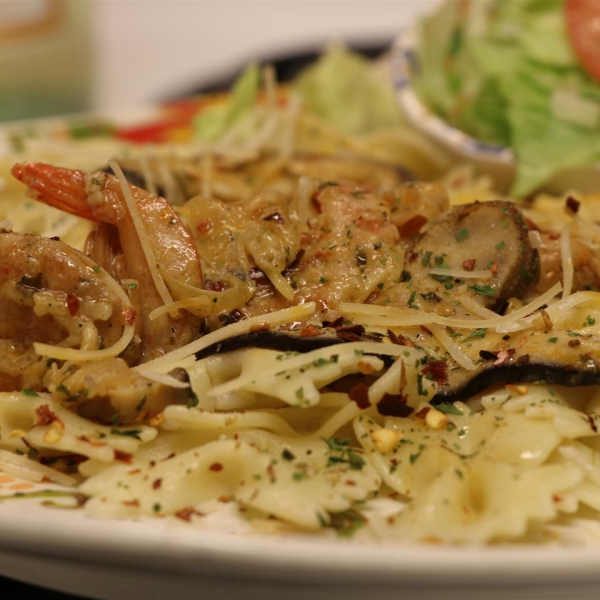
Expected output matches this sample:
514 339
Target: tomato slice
583 27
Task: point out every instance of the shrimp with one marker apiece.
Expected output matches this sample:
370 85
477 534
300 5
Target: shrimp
129 234
50 293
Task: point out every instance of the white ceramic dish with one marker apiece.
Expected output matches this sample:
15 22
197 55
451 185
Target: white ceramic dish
155 559
100 558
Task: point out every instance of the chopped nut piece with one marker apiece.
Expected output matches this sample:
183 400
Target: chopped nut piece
54 432
156 420
385 439
366 368
17 433
436 419
517 389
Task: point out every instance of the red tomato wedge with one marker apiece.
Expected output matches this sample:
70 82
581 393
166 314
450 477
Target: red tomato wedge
583 27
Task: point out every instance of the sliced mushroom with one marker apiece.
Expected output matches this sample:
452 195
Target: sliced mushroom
555 357
480 250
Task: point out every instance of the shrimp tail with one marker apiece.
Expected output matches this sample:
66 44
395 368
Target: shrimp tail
61 188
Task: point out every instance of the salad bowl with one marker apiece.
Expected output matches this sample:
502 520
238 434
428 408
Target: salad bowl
409 68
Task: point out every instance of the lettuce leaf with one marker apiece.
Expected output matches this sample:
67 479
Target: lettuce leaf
213 122
502 79
343 88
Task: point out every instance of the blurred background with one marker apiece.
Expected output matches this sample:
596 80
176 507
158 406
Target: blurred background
64 56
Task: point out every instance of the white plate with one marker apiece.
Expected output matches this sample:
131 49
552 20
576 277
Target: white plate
67 550
157 559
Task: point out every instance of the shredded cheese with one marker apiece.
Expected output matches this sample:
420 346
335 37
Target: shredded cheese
163 378
161 288
25 468
393 317
147 174
566 257
75 355
462 274
452 347
294 313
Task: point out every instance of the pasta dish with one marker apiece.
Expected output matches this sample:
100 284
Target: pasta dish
339 334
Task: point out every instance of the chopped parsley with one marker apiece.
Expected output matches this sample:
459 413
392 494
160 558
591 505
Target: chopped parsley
461 235
477 333
448 408
483 290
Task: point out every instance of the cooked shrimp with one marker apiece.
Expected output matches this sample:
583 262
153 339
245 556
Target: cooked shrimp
139 237
50 293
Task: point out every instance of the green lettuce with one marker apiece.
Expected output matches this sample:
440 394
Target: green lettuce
343 89
213 122
501 80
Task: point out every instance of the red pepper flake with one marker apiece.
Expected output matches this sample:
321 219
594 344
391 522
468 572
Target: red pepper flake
310 331
469 264
592 423
350 333
372 297
350 482
400 340
436 370
335 323
494 267
129 314
224 499
412 256
186 514
523 359
556 498
134 471
123 456
131 503
216 467
572 205
204 226
45 416
423 412
72 304
365 368
412 227
394 405
156 483
216 286
360 394
573 343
